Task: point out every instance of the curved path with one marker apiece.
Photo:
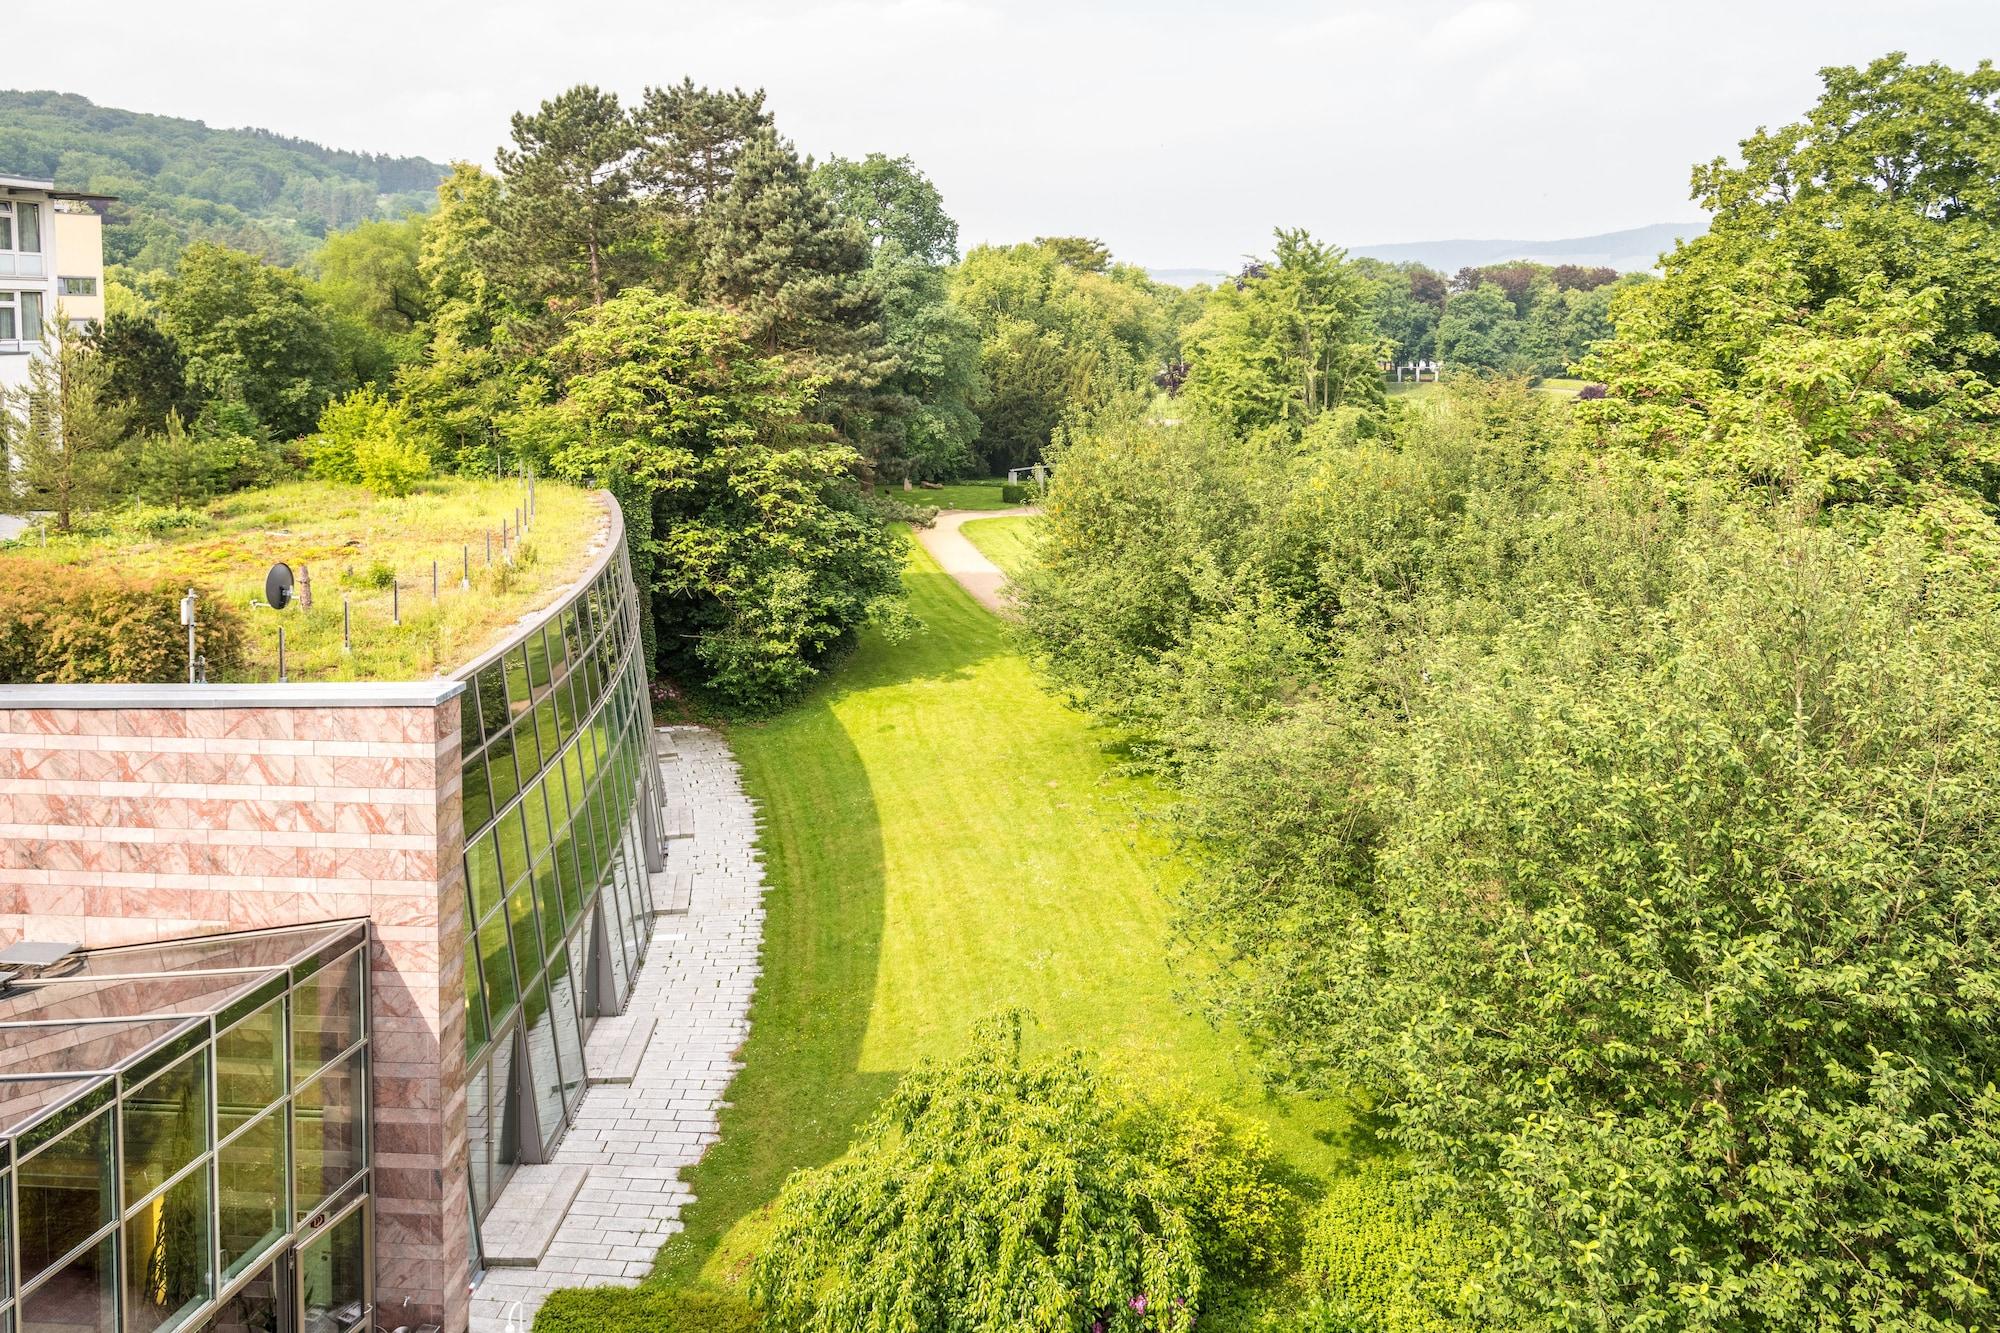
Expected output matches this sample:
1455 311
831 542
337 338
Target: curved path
958 557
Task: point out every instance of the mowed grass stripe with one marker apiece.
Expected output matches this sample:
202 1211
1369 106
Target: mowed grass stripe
942 839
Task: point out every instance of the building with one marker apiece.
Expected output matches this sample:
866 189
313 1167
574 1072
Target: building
51 263
190 879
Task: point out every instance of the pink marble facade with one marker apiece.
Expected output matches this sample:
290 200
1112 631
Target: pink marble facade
123 825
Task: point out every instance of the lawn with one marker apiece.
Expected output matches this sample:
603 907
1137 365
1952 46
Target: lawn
377 553
943 839
963 495
1007 542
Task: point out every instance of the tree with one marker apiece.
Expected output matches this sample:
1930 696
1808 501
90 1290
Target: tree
1085 254
779 256
746 528
458 258
1481 330
567 216
1837 330
1056 341
894 202
370 275
990 1193
688 142
1286 346
254 332
63 430
144 370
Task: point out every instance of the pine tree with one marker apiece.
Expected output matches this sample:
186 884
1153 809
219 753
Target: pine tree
780 256
568 217
62 430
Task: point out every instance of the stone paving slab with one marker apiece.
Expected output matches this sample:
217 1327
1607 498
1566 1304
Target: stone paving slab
697 981
523 1223
617 1047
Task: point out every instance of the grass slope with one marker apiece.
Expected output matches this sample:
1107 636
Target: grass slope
1007 542
943 839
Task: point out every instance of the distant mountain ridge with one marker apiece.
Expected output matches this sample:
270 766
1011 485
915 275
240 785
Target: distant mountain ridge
1635 250
180 180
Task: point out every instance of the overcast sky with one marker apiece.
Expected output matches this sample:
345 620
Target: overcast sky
1180 133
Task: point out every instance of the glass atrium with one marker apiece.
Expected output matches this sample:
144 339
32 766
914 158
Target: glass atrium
183 1136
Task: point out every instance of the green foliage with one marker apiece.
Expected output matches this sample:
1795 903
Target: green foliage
895 202
761 557
993 1193
252 332
68 626
1386 1252
178 466
1014 494
647 1309
1837 332
1625 845
144 370
1286 344
61 433
1056 340
180 181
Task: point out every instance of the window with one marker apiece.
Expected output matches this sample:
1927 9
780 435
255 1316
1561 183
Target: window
21 317
28 228
76 286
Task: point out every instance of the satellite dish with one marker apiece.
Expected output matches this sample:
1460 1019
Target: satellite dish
278 586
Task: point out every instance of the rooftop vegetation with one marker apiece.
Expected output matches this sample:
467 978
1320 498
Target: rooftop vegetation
372 555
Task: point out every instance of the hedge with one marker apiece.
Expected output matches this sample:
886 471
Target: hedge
64 625
649 1309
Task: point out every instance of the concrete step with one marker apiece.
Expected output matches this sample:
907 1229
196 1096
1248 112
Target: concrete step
617 1046
523 1223
675 822
673 892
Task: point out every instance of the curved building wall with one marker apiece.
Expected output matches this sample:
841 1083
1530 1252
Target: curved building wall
560 813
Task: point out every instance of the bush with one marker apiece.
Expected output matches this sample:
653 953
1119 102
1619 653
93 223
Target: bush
644 1310
390 464
991 1194
1013 494
149 521
61 625
1389 1253
364 439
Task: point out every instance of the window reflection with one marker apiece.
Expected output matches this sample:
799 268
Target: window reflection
251 1195
331 1277
326 1014
326 1133
250 1066
65 1194
80 1297
166 1257
166 1125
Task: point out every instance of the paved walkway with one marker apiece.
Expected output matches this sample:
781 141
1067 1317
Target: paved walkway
954 551
697 981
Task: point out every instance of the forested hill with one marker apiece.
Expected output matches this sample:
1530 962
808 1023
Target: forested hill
180 180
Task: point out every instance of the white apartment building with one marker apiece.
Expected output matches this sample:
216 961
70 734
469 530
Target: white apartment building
51 265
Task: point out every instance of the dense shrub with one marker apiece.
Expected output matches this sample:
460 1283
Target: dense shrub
991 1193
648 1309
1630 845
60 625
1391 1253
364 439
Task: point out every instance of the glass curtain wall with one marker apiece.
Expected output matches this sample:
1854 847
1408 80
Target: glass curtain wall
220 1117
558 767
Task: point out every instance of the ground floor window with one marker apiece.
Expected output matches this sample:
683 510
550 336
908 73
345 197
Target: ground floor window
20 317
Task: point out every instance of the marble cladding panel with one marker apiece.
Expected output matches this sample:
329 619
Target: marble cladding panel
126 826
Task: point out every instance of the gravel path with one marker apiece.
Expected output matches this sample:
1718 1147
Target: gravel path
956 554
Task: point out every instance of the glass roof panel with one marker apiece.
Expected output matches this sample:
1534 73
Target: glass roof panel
25 1101
80 1048
139 997
258 949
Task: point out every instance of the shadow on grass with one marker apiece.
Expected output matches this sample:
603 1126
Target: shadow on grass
801 1094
